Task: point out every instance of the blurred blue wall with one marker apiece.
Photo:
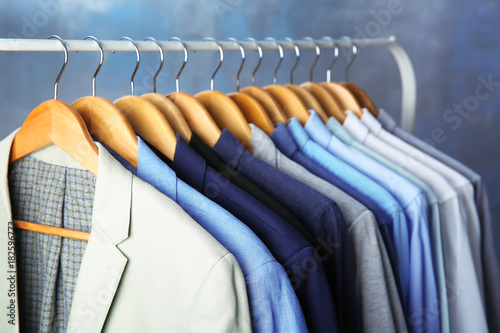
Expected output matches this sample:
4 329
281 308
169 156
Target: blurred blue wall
451 43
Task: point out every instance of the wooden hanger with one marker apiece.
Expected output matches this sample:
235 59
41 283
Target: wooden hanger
361 96
226 114
253 111
106 122
329 104
146 120
55 122
310 101
223 110
166 106
269 103
289 102
195 114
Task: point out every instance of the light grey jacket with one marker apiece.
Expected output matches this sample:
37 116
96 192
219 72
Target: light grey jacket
148 266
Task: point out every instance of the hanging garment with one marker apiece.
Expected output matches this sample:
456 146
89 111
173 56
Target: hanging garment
286 244
466 307
273 304
135 243
491 270
245 184
421 286
461 185
434 219
321 215
380 306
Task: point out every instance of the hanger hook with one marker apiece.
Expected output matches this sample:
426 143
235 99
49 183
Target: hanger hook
243 56
280 49
297 55
259 48
161 60
56 85
221 53
354 53
335 57
137 64
101 60
183 65
318 53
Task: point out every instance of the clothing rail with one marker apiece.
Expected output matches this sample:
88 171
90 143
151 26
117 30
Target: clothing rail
406 71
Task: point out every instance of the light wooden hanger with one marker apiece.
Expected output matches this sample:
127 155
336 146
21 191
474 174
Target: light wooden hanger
106 122
309 100
224 110
290 103
195 114
341 94
166 106
55 122
146 120
328 103
253 111
361 96
265 99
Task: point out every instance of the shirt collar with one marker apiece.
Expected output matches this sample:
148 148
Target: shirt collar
317 130
336 128
154 171
263 146
371 122
355 127
299 135
284 141
386 120
229 149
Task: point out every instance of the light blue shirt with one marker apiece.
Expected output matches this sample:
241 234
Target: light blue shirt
434 216
273 303
422 280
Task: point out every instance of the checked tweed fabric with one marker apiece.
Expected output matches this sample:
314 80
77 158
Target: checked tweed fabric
48 265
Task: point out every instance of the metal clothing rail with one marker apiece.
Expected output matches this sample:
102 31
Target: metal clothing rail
406 71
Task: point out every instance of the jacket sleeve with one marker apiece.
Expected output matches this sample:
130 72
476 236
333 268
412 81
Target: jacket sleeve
221 303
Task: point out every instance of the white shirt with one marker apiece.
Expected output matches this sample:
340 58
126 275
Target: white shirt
466 305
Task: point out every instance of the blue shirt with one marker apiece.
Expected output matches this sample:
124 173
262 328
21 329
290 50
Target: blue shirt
273 303
286 244
422 284
320 214
284 142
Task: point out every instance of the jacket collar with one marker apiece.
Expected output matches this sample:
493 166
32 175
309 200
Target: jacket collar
103 263
263 146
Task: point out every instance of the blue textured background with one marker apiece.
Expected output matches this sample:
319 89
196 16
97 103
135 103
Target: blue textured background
451 44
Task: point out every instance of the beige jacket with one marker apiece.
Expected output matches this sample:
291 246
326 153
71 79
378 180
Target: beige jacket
148 267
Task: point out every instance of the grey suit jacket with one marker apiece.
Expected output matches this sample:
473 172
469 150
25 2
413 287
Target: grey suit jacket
148 267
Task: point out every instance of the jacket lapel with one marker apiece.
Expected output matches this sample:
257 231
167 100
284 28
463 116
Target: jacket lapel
102 264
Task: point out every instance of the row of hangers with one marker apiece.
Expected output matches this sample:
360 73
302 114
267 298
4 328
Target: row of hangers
156 118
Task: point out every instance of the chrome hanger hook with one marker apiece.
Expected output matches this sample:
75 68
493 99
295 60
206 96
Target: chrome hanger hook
280 49
101 61
221 52
297 55
354 53
183 65
259 48
318 53
161 60
137 64
335 57
243 56
56 85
